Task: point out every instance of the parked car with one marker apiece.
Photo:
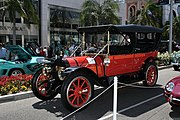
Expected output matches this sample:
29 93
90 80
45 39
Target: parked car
172 91
175 61
74 77
164 46
20 62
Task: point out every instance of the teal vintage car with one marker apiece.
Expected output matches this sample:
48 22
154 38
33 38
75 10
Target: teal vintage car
20 61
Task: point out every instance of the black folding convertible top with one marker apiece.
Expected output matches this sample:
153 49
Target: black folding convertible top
113 29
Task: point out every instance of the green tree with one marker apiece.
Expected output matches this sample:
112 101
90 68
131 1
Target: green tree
22 7
90 12
176 29
149 15
94 13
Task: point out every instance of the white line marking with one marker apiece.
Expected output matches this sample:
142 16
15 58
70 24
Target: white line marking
108 116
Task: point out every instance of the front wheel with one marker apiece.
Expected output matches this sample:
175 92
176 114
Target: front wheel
150 74
43 86
77 90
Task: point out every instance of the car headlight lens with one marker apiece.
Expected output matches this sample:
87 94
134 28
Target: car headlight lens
170 87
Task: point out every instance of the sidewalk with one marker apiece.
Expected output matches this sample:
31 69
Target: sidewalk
29 94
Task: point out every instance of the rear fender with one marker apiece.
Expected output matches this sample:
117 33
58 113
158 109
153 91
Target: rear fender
150 59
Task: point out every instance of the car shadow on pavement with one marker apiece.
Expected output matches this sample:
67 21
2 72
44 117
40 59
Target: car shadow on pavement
103 105
54 106
175 113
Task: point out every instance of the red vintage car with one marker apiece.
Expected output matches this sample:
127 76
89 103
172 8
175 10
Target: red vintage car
111 50
172 91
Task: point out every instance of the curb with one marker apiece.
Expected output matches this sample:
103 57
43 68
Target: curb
164 67
29 94
17 96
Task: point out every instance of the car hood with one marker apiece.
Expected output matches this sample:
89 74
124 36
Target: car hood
176 80
19 51
5 62
76 61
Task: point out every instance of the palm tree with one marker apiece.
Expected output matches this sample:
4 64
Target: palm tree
24 8
176 29
90 12
31 13
94 13
108 14
149 15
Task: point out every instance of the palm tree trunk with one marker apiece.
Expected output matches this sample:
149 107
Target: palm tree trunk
14 31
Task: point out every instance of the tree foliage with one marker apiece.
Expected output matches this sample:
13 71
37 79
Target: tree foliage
176 29
94 13
24 8
150 14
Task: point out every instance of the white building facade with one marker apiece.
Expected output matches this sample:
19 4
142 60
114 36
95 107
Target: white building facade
166 11
65 26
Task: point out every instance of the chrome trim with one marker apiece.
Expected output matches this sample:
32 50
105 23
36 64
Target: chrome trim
176 99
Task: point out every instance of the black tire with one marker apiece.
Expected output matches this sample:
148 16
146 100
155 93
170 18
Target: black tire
15 72
37 90
76 98
150 74
176 68
173 105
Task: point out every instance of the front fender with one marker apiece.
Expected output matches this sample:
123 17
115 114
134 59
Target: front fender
70 70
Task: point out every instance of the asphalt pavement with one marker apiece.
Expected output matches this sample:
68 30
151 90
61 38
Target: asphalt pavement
29 94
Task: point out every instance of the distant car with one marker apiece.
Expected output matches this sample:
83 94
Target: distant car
23 63
176 61
164 45
172 91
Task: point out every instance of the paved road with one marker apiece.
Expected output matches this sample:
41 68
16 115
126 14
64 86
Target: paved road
133 103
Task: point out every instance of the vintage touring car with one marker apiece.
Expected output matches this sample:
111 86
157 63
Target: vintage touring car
120 50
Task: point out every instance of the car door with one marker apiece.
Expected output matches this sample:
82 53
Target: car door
119 64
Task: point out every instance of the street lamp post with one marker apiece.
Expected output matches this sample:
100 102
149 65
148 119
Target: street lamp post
171 23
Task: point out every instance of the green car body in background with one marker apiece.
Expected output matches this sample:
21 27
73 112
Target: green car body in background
24 62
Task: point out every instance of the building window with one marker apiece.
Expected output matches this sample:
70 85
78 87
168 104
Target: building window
132 11
63 24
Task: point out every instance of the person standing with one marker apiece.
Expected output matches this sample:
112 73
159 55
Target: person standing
2 52
41 52
66 52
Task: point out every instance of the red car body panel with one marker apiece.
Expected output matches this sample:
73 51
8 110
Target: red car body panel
119 64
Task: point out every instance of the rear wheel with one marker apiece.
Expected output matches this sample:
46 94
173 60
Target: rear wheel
150 74
77 90
15 72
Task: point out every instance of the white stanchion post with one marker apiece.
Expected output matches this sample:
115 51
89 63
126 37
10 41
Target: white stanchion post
115 98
